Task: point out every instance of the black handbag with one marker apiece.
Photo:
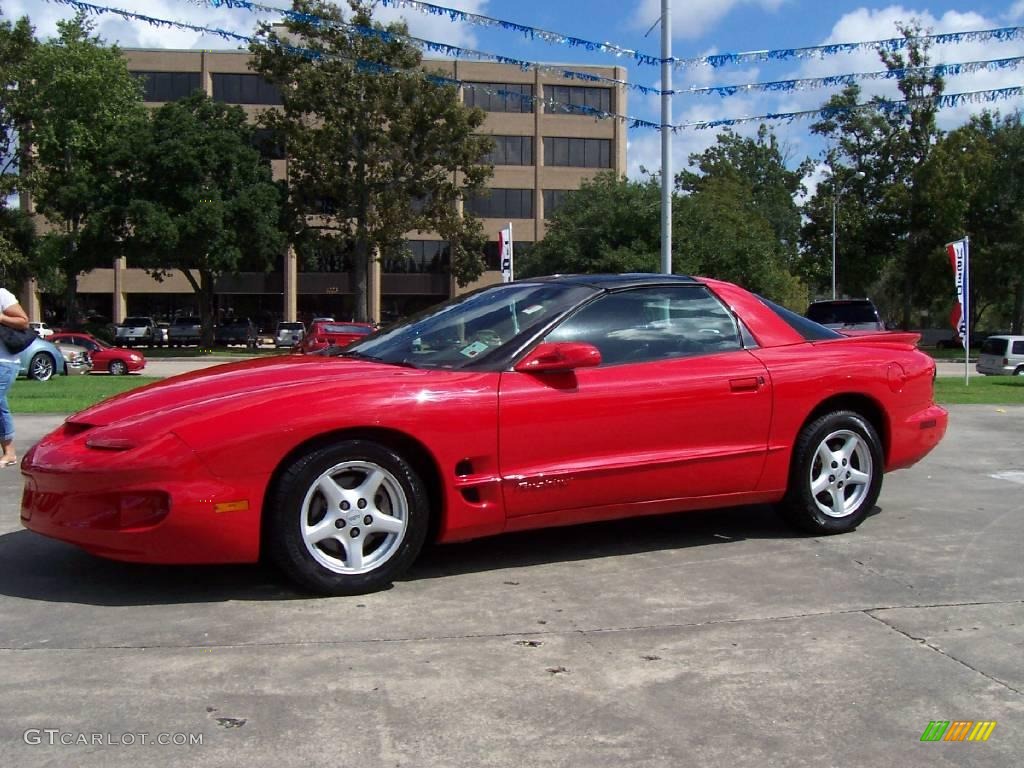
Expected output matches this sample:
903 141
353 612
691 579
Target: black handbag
16 341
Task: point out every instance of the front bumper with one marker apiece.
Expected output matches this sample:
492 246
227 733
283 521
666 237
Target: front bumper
156 504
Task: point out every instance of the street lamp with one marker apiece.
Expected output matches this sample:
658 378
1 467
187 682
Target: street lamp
837 190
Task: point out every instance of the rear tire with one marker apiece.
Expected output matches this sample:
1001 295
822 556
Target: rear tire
347 519
836 474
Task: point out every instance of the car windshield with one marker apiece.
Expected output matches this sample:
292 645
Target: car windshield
842 312
454 334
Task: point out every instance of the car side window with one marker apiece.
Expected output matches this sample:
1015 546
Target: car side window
656 323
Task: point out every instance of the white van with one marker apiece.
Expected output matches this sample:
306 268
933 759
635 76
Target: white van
1002 356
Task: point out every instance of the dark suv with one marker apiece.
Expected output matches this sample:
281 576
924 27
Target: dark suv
237 331
846 315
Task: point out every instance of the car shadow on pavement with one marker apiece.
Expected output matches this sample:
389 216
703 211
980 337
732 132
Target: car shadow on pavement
37 568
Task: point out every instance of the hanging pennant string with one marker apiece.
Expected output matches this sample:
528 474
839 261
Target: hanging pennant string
887 106
1000 34
455 15
365 66
808 83
429 46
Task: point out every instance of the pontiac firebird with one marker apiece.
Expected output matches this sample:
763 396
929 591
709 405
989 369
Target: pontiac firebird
535 403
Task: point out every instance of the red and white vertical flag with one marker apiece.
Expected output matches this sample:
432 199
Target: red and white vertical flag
959 257
505 254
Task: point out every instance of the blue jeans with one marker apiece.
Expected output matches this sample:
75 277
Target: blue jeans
8 373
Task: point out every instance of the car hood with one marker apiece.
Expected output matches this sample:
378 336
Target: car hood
260 383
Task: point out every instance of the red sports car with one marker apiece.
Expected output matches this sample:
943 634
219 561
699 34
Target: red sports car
323 334
114 360
535 403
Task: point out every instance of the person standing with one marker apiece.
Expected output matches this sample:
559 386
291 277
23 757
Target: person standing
13 316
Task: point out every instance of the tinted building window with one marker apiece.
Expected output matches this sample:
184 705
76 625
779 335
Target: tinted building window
577 99
418 256
167 86
511 150
501 203
578 153
244 89
553 200
498 97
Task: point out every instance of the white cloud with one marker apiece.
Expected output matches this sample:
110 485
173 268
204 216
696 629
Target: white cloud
1016 12
695 17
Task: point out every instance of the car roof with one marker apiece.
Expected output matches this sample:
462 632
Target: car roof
608 281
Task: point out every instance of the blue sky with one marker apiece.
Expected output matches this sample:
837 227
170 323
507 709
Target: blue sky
700 27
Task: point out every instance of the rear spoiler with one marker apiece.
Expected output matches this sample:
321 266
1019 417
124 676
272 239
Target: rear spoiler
885 338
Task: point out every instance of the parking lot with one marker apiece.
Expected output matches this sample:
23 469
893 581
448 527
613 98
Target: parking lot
710 639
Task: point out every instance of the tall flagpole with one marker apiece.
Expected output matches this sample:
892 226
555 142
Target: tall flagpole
666 137
967 310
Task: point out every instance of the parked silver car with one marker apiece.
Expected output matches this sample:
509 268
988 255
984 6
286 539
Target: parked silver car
1002 356
289 334
41 360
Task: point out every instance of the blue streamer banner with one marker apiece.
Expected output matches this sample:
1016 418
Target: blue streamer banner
1001 34
883 105
808 83
428 46
532 33
894 106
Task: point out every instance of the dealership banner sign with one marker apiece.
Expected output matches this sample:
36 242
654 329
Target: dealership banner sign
505 254
959 258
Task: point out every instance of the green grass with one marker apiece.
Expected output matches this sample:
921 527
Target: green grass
982 390
955 355
69 394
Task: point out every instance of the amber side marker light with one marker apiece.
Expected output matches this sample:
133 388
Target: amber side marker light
231 506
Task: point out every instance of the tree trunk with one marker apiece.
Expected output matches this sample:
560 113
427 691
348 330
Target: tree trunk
1018 308
207 308
361 280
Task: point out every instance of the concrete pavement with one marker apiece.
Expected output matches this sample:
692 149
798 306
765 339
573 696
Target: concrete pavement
710 639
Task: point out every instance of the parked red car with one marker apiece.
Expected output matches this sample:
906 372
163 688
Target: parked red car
326 333
528 404
114 360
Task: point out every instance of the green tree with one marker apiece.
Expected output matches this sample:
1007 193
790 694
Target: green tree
198 198
78 102
724 234
975 187
375 148
16 232
610 224
889 223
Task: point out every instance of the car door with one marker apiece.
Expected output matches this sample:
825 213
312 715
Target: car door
677 409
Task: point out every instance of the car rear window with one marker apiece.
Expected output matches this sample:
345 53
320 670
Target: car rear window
289 326
806 327
136 322
994 347
336 328
842 312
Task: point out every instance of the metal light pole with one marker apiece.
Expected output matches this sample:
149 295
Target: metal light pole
838 190
666 137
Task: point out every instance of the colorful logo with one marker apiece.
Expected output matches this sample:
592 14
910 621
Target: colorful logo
958 730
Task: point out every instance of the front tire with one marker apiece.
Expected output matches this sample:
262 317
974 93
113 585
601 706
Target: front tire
347 519
836 474
117 368
41 367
